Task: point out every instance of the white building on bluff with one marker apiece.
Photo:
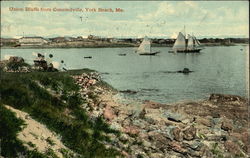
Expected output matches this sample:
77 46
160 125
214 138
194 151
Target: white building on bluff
30 41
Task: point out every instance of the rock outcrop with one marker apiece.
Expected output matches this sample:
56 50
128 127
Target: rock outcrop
210 128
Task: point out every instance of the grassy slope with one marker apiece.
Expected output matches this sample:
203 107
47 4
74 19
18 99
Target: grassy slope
9 144
59 110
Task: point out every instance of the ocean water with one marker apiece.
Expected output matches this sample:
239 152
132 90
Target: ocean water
216 70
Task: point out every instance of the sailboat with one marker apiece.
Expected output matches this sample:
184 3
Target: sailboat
191 46
145 48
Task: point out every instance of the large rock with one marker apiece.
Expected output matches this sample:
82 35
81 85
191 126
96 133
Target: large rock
178 135
205 121
146 144
161 142
152 105
178 147
150 119
125 154
189 133
242 137
169 132
224 98
16 59
140 123
142 113
124 137
174 133
227 125
134 130
233 148
174 116
195 145
115 126
144 134
109 113
156 155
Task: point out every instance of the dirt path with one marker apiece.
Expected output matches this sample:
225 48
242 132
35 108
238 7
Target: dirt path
37 136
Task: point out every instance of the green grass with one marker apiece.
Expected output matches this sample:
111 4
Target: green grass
50 141
29 92
16 65
217 152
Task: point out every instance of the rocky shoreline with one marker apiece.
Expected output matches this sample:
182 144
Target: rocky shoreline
216 127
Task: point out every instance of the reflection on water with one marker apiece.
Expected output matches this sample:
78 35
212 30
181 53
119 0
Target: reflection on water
216 70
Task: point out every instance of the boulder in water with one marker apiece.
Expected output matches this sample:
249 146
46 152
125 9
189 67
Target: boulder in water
129 91
185 71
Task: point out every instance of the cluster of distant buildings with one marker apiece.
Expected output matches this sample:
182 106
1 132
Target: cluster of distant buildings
24 41
31 41
38 41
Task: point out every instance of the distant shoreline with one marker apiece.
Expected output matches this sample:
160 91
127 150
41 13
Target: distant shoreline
111 46
98 42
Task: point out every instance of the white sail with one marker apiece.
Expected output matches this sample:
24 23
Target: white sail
196 42
145 46
190 45
180 43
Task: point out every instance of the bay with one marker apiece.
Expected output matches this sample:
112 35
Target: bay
217 69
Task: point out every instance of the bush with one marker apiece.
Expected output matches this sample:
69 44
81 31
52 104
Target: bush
16 65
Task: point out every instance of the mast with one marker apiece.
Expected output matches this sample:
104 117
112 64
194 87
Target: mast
185 31
150 50
186 45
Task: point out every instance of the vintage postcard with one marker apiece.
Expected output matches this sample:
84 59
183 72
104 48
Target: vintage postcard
135 79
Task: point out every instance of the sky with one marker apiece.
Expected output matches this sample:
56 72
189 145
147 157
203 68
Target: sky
162 19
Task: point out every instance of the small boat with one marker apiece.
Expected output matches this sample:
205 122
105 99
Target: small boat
122 54
88 57
181 46
145 48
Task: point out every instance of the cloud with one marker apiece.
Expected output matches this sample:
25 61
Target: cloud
164 9
139 19
174 35
191 4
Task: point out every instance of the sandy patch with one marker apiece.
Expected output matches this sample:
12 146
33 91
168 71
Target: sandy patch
36 135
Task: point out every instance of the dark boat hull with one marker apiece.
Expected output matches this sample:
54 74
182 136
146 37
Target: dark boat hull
88 57
154 53
189 51
186 51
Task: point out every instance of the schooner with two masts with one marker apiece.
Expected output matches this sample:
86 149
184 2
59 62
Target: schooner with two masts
181 46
